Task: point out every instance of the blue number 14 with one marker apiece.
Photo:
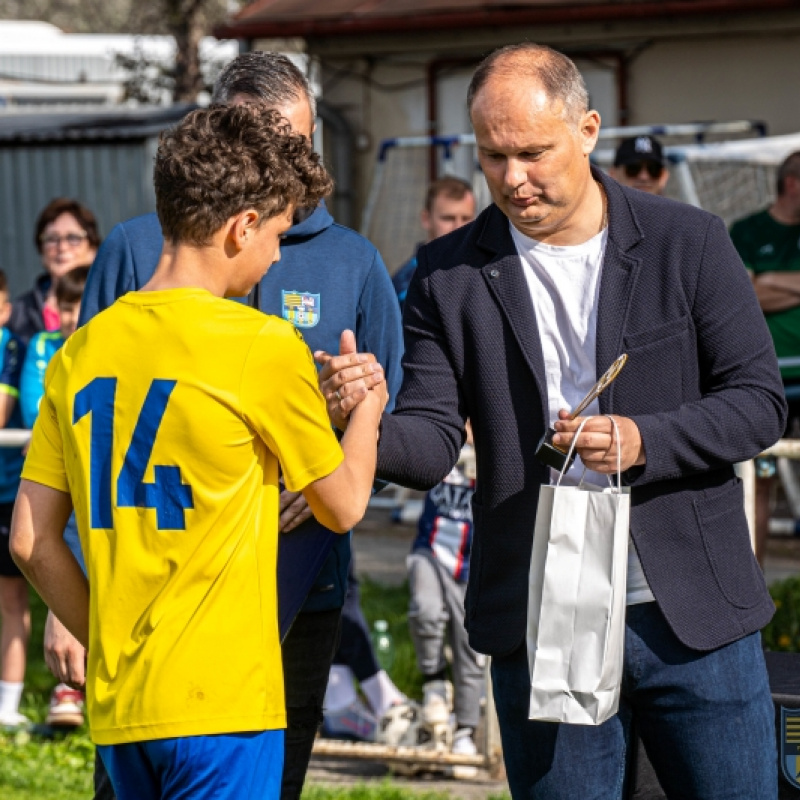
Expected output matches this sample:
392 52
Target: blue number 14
167 494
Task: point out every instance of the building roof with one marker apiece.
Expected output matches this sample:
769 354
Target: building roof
116 125
310 18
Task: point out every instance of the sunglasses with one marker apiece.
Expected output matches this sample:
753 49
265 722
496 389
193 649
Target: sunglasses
654 169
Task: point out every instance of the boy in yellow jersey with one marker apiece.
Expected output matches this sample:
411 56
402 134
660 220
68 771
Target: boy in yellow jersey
165 421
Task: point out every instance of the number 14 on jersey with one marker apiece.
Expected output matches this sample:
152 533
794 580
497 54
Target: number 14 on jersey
168 495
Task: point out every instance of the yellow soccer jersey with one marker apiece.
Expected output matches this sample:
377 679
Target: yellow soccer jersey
167 418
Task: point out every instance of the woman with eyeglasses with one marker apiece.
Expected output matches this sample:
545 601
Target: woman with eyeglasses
66 237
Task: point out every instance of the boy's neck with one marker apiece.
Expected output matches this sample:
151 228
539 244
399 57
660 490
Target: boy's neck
185 266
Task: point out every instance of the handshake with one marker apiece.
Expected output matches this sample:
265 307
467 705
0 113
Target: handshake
349 379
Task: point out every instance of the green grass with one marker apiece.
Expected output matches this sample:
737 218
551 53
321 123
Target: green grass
391 603
33 768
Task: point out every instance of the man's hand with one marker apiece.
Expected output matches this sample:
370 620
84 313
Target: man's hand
64 655
345 379
598 446
294 511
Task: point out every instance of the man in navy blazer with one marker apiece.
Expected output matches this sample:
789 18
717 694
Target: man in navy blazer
568 268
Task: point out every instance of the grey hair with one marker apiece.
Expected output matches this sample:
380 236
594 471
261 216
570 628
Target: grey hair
789 166
557 74
269 77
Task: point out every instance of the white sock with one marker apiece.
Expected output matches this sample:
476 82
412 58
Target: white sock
341 690
10 695
381 693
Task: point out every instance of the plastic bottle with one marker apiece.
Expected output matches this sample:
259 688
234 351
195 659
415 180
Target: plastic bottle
383 644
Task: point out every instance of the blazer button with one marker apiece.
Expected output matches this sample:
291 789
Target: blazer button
495 273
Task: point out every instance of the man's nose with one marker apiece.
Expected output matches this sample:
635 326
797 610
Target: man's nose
515 174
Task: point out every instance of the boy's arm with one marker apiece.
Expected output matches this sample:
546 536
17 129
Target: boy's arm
38 548
339 500
282 403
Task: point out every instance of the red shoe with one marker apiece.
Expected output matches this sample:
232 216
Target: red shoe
66 707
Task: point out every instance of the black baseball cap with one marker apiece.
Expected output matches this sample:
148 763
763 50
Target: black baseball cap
637 149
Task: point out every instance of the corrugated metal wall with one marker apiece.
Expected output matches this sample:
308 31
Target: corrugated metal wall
114 179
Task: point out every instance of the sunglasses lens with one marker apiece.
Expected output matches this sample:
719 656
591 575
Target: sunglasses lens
654 170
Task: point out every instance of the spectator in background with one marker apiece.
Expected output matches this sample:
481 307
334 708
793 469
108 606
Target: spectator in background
449 204
769 244
43 345
639 163
66 237
66 703
15 616
438 569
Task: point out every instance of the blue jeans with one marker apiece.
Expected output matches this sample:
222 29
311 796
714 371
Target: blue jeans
706 721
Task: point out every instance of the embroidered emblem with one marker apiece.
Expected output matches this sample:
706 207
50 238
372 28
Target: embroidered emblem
790 745
301 308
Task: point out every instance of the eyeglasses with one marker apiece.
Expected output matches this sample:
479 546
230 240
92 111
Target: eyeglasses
72 239
654 169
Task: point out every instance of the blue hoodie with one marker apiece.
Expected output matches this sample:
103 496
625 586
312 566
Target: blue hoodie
329 278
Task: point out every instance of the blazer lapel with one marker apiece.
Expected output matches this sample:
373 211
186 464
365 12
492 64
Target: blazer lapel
506 281
617 281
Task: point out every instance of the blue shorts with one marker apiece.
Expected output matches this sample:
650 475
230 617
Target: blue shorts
224 767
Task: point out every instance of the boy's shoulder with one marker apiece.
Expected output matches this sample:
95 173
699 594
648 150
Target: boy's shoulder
226 319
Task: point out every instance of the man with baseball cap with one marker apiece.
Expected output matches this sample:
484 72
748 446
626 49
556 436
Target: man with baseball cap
639 163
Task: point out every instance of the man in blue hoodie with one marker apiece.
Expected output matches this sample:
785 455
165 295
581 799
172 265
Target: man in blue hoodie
328 279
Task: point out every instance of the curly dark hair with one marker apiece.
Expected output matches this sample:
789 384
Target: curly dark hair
219 161
66 205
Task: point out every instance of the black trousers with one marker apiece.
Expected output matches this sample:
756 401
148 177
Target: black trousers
307 655
355 644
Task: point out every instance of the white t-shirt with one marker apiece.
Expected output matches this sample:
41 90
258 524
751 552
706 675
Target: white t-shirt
564 282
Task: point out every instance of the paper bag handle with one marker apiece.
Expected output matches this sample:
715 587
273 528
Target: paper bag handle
568 460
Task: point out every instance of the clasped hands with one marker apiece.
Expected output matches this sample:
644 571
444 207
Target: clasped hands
346 379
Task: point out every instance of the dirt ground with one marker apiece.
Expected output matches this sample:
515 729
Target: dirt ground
380 548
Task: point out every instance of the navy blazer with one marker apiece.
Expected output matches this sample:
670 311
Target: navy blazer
701 382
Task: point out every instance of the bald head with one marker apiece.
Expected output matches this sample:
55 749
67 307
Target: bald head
559 78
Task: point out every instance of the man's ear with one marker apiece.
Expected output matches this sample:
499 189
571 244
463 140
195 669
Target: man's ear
243 227
589 129
425 221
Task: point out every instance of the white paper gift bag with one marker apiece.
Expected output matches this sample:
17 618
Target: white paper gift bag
576 601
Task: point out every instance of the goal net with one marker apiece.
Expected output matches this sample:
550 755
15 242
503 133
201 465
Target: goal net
730 177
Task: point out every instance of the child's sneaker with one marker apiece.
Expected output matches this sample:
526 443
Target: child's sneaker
353 722
464 745
14 721
66 707
437 702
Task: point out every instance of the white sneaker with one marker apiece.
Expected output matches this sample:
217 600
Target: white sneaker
437 702
464 745
13 720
